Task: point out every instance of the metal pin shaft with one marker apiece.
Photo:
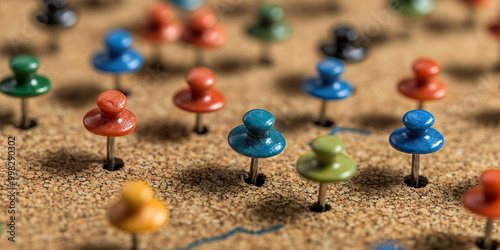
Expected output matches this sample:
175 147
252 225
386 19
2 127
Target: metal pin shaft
488 242
199 59
323 188
156 54
254 170
134 242
415 163
322 114
118 82
198 125
265 54
110 155
420 105
25 121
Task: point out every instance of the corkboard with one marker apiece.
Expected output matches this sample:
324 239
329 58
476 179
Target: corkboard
63 192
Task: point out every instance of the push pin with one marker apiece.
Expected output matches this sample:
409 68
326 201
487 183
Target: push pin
256 139
25 84
473 6
161 28
55 15
326 164
187 5
201 96
424 86
268 28
494 29
484 200
410 11
203 32
119 57
416 138
328 86
346 47
137 211
110 119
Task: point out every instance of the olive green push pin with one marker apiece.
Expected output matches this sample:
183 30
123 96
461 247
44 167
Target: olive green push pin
25 84
326 164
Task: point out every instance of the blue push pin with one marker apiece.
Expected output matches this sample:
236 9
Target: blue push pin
416 138
256 139
328 86
188 5
118 57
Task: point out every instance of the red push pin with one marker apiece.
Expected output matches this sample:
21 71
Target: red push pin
203 32
473 6
110 119
162 27
200 97
484 200
424 86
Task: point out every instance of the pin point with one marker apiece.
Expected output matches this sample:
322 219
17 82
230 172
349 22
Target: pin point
325 164
484 200
201 96
416 138
328 86
256 139
110 119
25 84
424 86
118 57
137 211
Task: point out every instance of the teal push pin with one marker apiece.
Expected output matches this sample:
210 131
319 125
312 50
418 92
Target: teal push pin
326 164
25 84
256 139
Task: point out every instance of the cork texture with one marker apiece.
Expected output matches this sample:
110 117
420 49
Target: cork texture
63 191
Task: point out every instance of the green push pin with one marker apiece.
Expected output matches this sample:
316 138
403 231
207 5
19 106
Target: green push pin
269 28
25 84
326 164
410 10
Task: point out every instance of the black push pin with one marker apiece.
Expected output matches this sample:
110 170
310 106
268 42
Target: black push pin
346 46
55 16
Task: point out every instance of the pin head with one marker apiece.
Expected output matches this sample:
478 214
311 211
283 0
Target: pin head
118 41
111 102
258 121
161 13
345 34
327 147
271 13
137 194
417 121
490 180
425 68
202 19
52 6
485 199
200 80
330 69
23 65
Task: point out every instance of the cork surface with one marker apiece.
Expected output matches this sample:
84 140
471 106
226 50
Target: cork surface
63 191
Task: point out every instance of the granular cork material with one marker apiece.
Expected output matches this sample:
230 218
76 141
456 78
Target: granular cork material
63 191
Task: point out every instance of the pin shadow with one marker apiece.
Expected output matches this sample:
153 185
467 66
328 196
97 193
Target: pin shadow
77 94
94 246
440 240
68 161
280 210
378 121
212 179
9 51
6 118
291 84
314 9
286 123
97 4
441 26
488 117
374 179
466 72
161 130
229 65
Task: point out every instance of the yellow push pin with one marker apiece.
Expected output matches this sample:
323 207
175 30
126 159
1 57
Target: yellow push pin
137 211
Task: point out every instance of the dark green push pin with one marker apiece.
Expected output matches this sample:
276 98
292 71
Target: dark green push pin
410 10
25 84
326 164
269 27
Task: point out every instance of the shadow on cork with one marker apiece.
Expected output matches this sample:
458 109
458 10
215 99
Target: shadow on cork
379 121
78 94
69 161
488 117
161 130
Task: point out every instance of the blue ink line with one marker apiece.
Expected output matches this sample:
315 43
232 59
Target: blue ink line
353 130
229 234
